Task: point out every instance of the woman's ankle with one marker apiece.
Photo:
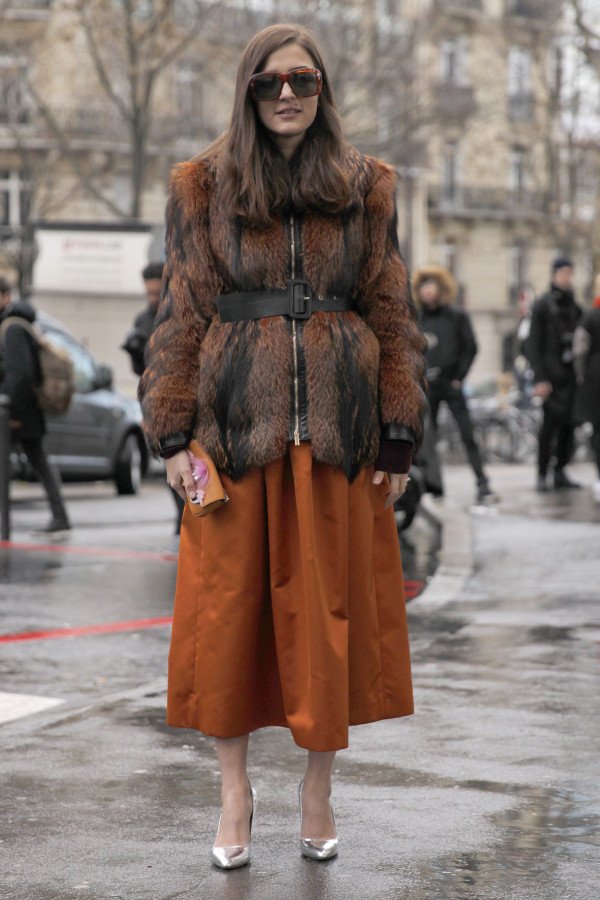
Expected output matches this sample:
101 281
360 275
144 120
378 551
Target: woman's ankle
234 786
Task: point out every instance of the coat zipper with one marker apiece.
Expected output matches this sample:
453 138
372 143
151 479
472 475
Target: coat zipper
295 345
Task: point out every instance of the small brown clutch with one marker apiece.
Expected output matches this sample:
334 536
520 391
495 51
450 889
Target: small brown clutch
210 494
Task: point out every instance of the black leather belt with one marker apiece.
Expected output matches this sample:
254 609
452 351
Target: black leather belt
297 302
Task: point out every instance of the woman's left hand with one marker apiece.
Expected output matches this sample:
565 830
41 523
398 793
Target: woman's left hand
397 486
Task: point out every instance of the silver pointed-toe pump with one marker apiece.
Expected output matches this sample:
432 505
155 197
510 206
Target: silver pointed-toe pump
316 848
238 855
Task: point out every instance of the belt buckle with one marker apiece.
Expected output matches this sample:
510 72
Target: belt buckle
299 299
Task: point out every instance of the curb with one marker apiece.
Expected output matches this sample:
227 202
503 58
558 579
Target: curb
455 557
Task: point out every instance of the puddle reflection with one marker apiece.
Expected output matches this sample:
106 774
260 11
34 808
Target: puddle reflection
552 827
28 568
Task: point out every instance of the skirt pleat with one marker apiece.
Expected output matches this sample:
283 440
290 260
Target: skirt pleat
289 608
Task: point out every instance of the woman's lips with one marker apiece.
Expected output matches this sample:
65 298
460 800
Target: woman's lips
288 112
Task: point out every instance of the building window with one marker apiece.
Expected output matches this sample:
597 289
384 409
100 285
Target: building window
449 257
14 105
15 201
516 275
557 68
386 107
517 174
519 71
388 9
520 96
449 173
190 97
452 61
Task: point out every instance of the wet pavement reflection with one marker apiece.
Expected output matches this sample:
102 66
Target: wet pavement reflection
489 792
419 546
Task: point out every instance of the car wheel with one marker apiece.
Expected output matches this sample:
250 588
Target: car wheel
128 474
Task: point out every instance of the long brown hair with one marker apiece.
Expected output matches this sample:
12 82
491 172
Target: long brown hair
255 179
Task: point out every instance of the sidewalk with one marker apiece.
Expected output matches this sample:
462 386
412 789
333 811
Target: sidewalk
489 792
457 513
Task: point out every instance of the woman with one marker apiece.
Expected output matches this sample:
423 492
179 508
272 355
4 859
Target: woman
287 345
586 361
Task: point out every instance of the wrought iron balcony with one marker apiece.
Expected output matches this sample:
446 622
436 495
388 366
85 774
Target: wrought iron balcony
461 4
530 9
455 101
470 201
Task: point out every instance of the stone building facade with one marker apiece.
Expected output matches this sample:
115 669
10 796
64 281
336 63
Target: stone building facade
464 97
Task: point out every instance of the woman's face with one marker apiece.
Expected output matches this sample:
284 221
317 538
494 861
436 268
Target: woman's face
289 116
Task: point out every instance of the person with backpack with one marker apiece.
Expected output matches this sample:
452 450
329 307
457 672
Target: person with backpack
20 379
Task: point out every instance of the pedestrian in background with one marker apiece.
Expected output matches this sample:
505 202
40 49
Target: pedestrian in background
554 318
451 349
287 345
586 360
143 325
20 375
136 343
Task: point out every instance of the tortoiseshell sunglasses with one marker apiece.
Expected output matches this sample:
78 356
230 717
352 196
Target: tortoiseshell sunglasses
269 85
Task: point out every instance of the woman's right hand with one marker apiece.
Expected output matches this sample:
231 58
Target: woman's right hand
179 475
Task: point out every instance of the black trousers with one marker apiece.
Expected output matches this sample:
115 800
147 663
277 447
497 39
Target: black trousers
455 400
180 506
596 446
556 436
48 476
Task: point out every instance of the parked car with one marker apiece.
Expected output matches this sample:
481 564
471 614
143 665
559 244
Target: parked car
100 435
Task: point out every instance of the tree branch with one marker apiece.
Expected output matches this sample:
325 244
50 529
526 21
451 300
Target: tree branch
101 70
63 144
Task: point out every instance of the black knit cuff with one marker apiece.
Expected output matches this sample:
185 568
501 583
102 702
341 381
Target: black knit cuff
173 444
394 457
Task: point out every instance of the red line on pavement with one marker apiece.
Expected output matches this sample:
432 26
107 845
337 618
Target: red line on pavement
88 551
107 627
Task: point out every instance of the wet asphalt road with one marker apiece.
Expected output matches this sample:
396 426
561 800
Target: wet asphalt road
489 792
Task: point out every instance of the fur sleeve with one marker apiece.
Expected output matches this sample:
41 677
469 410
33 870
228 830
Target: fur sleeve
384 301
168 388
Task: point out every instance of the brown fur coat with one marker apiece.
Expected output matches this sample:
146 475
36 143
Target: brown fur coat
230 385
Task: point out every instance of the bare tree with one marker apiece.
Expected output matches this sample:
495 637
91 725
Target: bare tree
587 23
130 44
588 26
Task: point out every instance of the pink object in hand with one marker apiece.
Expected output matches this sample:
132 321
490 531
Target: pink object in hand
200 474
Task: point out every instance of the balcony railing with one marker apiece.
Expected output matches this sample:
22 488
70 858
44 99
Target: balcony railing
455 101
461 4
470 200
530 9
521 107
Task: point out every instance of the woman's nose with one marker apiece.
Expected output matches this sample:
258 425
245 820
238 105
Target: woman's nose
286 91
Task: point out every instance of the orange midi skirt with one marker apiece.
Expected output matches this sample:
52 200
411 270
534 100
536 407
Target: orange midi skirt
289 608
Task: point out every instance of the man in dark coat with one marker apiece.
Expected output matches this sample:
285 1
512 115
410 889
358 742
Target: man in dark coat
451 349
143 325
20 374
137 339
554 318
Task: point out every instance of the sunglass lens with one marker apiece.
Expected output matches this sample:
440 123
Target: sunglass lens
304 84
267 87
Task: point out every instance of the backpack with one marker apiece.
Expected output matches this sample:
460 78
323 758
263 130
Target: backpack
58 378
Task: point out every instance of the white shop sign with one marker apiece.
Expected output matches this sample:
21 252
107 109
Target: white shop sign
94 261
